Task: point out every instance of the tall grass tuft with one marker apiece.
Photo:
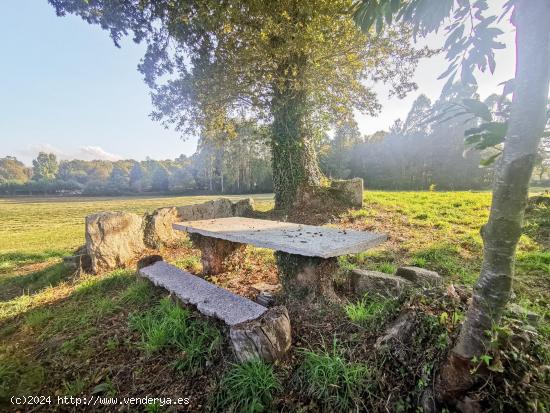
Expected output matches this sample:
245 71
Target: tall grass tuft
248 388
331 380
372 310
170 326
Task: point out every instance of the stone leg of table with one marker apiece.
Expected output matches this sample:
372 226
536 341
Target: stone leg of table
308 277
214 252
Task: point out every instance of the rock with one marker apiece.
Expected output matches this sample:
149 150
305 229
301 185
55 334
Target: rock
420 276
307 277
255 331
351 191
427 401
220 208
113 239
80 260
160 233
468 405
148 260
292 238
398 331
267 338
374 282
523 313
243 207
158 228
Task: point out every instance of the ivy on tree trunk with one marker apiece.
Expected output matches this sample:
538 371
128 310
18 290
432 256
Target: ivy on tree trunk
510 191
294 159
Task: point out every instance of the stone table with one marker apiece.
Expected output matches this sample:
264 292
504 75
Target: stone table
306 254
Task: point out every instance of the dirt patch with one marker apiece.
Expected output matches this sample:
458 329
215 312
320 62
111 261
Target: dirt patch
245 269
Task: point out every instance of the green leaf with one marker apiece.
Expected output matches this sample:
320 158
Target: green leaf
453 37
495 128
478 109
486 359
490 160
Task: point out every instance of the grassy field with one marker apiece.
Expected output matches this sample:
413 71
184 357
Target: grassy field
37 225
115 335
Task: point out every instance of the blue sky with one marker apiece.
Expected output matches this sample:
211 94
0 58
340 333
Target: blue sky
66 89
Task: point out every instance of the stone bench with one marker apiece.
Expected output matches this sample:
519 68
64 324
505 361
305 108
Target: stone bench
306 255
255 331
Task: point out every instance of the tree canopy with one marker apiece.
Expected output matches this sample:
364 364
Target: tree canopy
45 166
298 66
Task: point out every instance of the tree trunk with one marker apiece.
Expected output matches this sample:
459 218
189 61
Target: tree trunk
210 172
294 160
502 231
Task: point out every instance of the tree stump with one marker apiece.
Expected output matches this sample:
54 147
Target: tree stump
267 338
307 277
214 252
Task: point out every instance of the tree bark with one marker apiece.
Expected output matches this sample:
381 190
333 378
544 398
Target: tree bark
267 338
294 159
510 190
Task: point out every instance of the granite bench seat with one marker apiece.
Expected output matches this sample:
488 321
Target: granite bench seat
254 330
209 299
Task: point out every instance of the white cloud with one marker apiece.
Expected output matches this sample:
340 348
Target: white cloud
90 153
86 153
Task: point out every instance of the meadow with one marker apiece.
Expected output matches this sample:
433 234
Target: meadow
68 334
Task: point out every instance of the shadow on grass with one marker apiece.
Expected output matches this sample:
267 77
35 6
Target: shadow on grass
60 324
73 306
12 260
12 286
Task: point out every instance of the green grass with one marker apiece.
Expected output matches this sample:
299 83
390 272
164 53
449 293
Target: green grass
15 285
248 388
387 267
137 293
11 260
19 376
192 264
74 387
36 319
35 225
50 317
170 326
72 314
371 311
331 380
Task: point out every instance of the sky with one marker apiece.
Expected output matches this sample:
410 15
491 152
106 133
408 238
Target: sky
65 88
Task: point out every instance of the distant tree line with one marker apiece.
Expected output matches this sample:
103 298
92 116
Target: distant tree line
424 151
241 164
